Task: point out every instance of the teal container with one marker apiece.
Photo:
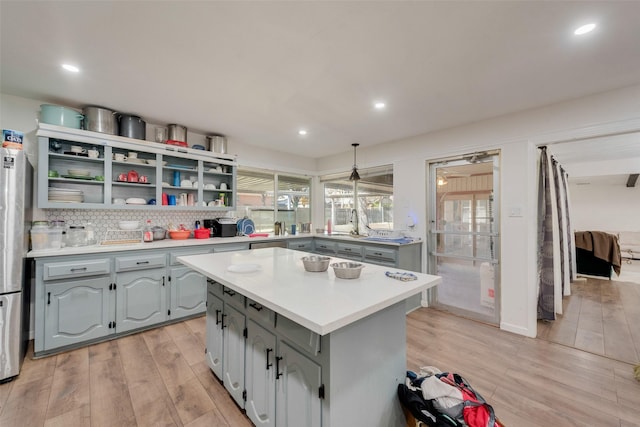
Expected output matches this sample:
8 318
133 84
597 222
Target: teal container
60 116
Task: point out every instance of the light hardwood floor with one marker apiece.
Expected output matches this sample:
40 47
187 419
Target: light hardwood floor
602 317
159 378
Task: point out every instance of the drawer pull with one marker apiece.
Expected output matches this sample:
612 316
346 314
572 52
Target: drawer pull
222 321
269 350
278 373
78 269
255 306
142 262
378 253
229 292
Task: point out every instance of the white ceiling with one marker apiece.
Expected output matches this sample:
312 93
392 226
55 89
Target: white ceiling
259 71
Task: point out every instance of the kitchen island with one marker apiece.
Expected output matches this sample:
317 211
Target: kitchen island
319 350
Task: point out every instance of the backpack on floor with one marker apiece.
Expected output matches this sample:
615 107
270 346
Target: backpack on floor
423 410
476 411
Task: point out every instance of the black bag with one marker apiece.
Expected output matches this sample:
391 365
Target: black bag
423 410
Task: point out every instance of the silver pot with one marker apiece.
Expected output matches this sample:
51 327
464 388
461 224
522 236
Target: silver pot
177 133
132 126
217 144
159 233
98 119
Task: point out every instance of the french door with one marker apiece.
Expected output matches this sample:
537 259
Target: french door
463 236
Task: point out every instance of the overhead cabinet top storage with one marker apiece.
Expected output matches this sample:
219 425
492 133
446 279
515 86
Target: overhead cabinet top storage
89 170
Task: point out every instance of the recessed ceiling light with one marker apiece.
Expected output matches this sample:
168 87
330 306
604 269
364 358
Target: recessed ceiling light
379 105
302 132
584 29
71 68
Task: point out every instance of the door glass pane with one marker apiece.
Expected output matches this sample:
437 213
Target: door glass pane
462 243
466 285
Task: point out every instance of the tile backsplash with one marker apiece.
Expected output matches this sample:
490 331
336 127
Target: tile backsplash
103 219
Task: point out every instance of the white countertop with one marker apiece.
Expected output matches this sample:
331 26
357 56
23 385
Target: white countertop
318 301
170 243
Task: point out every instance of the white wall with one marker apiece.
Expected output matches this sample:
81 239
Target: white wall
605 205
514 135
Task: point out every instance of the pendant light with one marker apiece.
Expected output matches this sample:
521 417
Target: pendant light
355 176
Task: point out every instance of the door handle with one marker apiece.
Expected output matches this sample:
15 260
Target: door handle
278 373
269 350
217 317
222 321
255 306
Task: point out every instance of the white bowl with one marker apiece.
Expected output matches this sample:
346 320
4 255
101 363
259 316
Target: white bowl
153 162
128 225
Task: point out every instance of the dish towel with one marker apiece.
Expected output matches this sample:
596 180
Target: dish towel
405 277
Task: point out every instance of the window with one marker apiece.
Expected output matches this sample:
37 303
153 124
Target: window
266 197
374 207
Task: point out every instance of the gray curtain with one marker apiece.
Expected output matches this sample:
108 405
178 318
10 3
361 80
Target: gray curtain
546 307
555 258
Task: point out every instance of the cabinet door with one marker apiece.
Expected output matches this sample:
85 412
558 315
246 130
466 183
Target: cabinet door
141 299
233 324
260 375
298 385
76 311
214 333
188 292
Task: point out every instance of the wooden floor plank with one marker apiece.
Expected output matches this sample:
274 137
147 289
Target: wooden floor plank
110 398
155 379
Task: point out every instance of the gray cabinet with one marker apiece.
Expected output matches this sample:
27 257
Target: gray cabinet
233 326
300 244
349 251
215 337
298 400
157 162
188 292
261 375
141 299
141 296
325 247
274 361
76 310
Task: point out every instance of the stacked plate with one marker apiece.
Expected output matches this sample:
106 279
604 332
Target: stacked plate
65 195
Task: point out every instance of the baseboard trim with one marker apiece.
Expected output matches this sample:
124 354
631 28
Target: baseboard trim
516 329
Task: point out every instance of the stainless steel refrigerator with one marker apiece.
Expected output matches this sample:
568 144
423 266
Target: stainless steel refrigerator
16 180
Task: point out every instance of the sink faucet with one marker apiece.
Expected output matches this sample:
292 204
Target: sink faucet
354 222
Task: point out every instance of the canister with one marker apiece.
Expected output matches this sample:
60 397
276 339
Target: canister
76 236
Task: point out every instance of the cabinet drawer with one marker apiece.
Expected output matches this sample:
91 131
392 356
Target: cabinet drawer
380 255
261 313
346 250
88 267
299 335
174 255
140 262
301 245
214 287
232 297
325 247
227 247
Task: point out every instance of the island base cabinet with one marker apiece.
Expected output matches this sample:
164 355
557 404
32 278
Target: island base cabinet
188 292
76 311
298 386
261 375
141 299
214 332
233 325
